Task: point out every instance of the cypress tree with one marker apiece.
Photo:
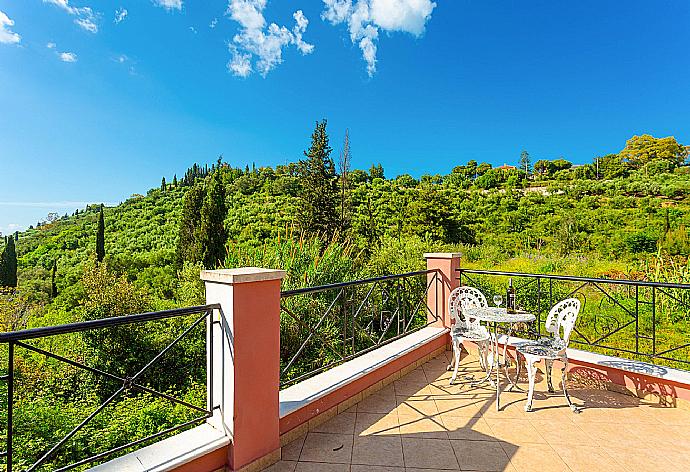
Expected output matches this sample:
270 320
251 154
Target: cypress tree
163 185
320 215
100 237
188 243
212 228
53 287
8 264
175 180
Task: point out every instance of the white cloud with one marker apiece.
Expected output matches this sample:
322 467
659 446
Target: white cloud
68 57
51 45
213 23
7 36
365 18
120 15
241 63
169 4
87 24
263 45
85 16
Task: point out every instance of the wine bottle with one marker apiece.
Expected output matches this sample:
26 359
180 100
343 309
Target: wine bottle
510 297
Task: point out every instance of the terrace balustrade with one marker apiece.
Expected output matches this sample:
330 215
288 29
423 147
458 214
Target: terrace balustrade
329 347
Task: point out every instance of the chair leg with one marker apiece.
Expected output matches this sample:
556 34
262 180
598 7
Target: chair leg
457 349
484 356
549 371
452 361
518 368
564 377
531 374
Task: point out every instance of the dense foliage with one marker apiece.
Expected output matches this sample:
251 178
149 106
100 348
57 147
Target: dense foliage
622 215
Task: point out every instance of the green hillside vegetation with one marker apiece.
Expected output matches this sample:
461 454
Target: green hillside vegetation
623 215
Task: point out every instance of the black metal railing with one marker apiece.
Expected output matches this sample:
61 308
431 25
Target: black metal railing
37 342
635 319
324 326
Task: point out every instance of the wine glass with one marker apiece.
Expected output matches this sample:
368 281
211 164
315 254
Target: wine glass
498 300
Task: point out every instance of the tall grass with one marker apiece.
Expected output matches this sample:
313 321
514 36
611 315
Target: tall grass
306 261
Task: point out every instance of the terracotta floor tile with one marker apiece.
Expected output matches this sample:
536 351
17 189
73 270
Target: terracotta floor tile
419 423
467 428
551 412
441 389
282 466
534 457
291 452
670 416
609 434
644 459
375 468
377 450
415 469
480 455
461 407
429 454
411 389
321 467
518 432
344 423
663 438
431 427
561 432
418 408
586 458
417 375
377 403
377 424
326 447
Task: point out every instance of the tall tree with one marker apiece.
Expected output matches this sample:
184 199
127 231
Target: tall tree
53 286
163 185
344 171
376 172
8 264
639 150
188 244
174 183
100 237
525 162
212 227
319 209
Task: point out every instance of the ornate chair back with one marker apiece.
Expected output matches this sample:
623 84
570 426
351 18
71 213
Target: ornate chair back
462 298
562 317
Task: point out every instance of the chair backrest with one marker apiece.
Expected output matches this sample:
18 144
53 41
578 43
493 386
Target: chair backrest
462 298
562 317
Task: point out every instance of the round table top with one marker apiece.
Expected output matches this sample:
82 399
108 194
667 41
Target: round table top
499 315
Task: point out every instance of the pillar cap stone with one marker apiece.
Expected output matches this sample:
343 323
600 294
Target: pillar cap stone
241 275
442 255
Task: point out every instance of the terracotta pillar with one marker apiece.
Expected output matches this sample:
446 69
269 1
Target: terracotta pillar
246 361
445 265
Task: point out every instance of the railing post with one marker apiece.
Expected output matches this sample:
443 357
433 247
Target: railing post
445 266
246 362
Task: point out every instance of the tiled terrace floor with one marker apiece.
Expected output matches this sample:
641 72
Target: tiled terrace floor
419 423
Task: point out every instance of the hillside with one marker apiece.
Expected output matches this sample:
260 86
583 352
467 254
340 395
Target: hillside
616 222
630 225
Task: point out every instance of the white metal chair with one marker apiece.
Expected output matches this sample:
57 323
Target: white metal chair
466 327
561 317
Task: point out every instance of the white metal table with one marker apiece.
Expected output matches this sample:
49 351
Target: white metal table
496 316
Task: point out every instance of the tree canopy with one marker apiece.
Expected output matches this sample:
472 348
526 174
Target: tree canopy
640 150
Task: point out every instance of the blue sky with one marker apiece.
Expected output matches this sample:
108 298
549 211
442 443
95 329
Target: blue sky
94 110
